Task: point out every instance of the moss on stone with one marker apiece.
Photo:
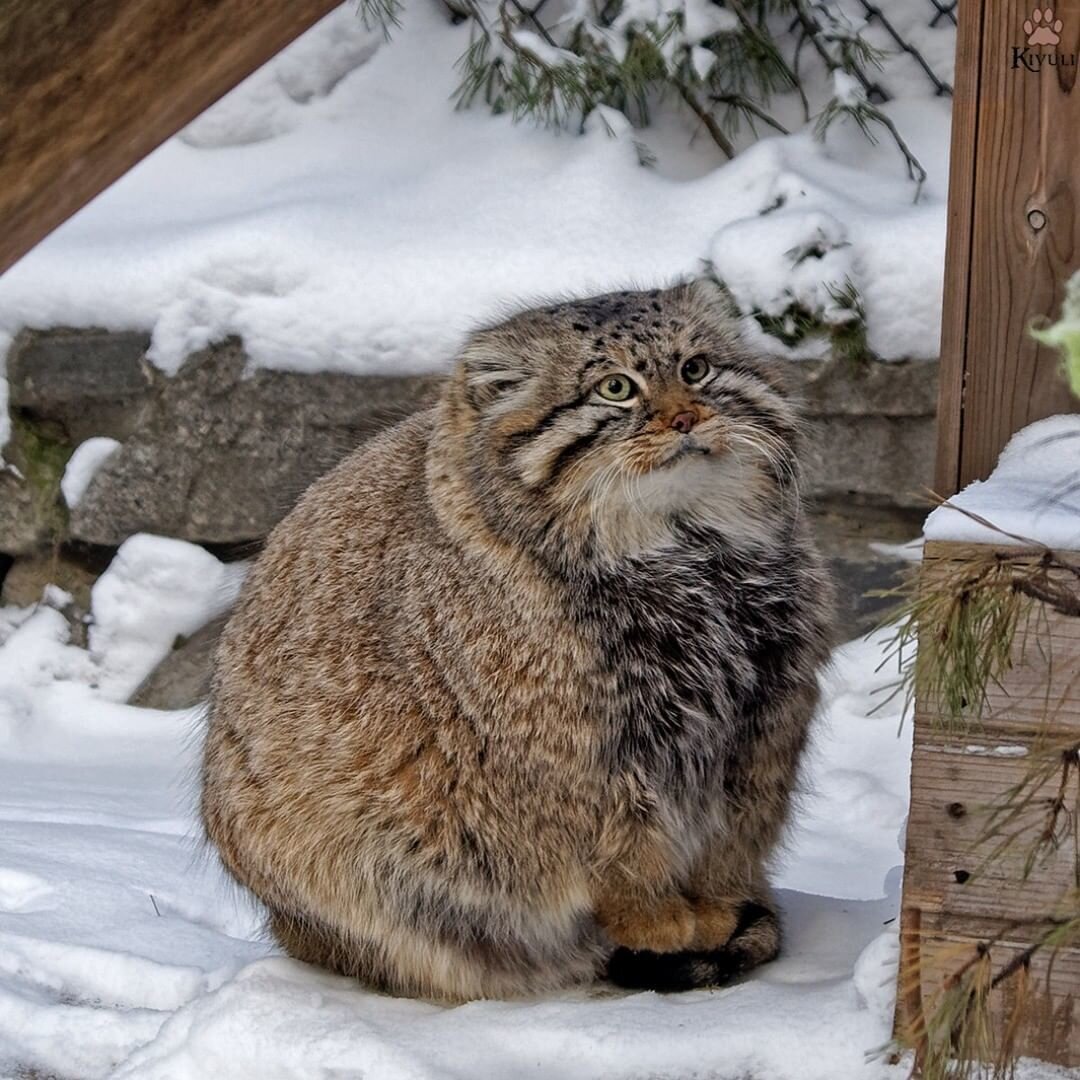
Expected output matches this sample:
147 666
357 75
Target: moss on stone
40 453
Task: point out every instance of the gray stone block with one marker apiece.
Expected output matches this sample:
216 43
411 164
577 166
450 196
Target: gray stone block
182 679
89 382
871 429
222 455
218 455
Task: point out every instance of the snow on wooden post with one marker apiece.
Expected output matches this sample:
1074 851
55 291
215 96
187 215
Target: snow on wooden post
1014 226
89 87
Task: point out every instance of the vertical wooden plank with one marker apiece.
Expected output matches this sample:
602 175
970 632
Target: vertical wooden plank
1025 231
956 896
89 87
971 15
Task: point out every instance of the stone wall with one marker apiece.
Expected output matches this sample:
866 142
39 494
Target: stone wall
217 456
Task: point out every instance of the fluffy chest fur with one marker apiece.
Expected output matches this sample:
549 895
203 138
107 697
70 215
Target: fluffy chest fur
697 640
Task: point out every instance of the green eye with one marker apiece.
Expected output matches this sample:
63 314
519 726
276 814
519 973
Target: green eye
617 388
695 369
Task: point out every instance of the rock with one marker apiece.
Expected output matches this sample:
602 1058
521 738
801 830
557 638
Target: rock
222 456
86 382
212 455
867 388
844 532
24 527
26 579
873 460
217 455
32 516
64 386
871 429
182 679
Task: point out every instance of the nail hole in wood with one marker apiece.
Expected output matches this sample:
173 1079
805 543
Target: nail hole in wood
956 810
961 876
1037 220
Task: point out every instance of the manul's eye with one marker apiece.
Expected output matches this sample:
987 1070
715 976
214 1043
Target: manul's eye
695 369
617 388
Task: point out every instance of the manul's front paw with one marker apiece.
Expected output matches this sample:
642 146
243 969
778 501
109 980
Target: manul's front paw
664 926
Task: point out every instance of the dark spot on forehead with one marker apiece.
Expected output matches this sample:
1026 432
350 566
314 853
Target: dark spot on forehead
676 356
598 343
580 327
640 365
641 339
656 306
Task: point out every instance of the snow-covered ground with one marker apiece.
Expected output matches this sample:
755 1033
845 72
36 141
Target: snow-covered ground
124 951
338 213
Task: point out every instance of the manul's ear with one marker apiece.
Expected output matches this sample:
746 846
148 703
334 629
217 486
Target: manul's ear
714 298
492 367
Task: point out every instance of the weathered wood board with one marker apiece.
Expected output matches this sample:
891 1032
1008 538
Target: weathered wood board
953 897
89 87
1013 227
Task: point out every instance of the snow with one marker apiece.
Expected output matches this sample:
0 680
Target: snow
912 551
125 952
773 262
847 90
338 213
997 751
155 590
89 456
1032 496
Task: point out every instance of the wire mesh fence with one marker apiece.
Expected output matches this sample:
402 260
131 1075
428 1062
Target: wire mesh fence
943 18
946 11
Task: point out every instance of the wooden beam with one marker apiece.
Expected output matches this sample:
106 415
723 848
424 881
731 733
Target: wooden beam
89 87
1014 229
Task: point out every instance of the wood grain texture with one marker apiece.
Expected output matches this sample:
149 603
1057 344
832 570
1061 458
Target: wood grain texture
1014 233
965 115
955 896
89 87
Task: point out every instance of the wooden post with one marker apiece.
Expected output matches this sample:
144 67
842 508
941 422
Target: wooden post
1014 226
963 886
89 87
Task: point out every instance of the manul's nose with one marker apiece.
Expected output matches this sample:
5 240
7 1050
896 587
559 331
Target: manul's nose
684 421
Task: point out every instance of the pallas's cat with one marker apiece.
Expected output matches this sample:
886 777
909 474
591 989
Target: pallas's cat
516 696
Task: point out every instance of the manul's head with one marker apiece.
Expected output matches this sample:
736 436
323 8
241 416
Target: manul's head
605 426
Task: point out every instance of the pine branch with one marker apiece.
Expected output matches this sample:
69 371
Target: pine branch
854 53
744 104
707 120
383 14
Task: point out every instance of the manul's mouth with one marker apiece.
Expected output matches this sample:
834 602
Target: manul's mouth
688 446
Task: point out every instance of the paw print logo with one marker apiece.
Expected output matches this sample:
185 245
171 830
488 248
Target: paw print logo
1042 28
